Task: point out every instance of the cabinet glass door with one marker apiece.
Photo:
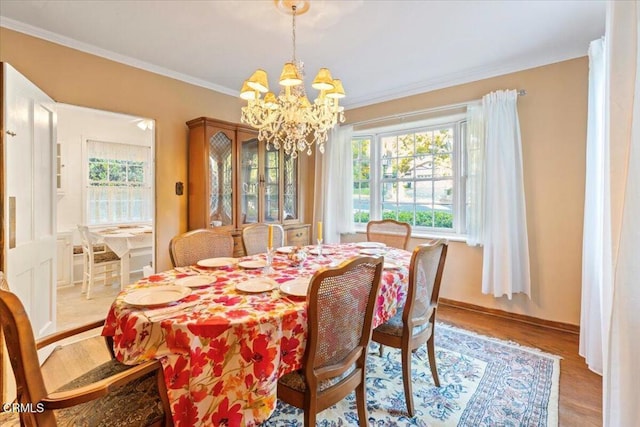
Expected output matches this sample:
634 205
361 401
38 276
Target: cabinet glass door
220 180
290 178
249 182
272 185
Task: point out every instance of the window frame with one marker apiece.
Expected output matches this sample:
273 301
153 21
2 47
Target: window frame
147 184
458 159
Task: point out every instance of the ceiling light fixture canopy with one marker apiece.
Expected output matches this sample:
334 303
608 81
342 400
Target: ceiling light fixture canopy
290 120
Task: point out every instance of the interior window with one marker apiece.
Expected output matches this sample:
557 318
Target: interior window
118 183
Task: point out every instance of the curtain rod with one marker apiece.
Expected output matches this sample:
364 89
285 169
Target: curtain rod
521 92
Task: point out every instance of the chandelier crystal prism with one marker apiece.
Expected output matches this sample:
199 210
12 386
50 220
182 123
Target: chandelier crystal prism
289 120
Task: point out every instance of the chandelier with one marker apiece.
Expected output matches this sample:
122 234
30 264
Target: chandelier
289 120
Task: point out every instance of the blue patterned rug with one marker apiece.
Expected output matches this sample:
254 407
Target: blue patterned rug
484 382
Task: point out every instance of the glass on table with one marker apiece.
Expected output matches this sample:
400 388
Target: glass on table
268 269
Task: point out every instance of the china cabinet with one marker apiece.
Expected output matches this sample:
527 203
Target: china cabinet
235 180
211 186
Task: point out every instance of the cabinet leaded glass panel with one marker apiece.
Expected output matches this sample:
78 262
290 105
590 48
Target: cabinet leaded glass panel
272 185
220 179
290 188
249 181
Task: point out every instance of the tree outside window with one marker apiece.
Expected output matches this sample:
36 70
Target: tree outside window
416 180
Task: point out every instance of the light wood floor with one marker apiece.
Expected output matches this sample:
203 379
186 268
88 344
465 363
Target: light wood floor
74 309
580 389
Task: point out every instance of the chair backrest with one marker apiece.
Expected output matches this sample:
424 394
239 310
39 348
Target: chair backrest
190 247
342 302
390 232
255 238
87 242
425 275
23 355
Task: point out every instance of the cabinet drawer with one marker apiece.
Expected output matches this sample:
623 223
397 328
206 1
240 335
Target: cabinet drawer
298 235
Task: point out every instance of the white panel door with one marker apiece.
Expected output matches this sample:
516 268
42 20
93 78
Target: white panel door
30 227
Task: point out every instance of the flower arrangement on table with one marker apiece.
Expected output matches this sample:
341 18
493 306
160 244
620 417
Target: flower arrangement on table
297 256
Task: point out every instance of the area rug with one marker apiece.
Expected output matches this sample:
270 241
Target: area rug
483 382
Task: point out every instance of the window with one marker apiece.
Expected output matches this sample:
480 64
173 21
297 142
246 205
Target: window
118 183
412 175
361 179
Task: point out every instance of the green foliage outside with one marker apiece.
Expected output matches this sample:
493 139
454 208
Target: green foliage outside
362 191
429 151
115 173
432 151
423 218
423 154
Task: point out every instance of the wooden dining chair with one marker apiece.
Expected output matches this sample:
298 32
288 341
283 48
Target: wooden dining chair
414 324
111 394
99 263
255 238
341 307
190 247
390 232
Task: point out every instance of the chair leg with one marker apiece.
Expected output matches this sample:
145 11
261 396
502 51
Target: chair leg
108 276
84 274
406 379
90 280
431 351
310 415
361 403
162 390
380 349
121 274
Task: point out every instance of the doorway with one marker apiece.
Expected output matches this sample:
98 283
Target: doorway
104 158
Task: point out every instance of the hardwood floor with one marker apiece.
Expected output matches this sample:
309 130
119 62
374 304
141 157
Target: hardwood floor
580 389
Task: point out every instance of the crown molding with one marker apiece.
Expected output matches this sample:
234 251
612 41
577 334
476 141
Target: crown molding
30 30
454 79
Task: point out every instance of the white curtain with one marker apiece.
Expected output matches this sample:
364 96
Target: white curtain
475 175
505 268
596 240
333 186
621 402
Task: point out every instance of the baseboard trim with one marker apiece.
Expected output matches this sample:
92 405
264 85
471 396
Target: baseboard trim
565 327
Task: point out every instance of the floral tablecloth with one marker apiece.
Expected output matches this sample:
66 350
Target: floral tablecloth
223 354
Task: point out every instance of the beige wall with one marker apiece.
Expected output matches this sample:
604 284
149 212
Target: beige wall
552 119
77 78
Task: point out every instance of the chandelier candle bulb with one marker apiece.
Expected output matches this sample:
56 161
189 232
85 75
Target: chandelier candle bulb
248 93
289 120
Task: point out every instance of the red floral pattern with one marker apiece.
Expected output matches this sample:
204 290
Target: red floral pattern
222 361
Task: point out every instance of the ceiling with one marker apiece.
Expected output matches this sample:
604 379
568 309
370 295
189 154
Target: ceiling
381 50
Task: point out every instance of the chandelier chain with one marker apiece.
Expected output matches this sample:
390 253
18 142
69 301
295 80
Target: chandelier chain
293 26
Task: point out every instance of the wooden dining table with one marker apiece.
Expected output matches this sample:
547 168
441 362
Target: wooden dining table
223 349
